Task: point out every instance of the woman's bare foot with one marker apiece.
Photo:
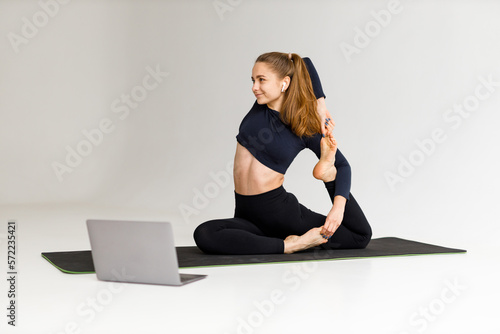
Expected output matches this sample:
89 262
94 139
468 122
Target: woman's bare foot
312 238
325 168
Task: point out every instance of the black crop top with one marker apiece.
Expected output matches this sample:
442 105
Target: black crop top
274 144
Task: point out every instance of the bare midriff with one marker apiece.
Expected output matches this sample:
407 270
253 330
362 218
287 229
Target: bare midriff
251 177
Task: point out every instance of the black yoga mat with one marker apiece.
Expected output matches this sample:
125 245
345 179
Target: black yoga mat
80 262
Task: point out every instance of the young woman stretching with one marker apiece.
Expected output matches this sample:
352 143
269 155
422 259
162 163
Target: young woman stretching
288 116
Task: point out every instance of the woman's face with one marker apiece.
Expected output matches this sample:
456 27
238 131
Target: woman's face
266 84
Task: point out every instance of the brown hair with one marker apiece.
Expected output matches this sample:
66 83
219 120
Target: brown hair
299 109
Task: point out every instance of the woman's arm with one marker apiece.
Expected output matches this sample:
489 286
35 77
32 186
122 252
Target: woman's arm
316 82
323 112
334 217
343 180
339 188
336 174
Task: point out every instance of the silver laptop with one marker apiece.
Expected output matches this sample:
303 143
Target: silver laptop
135 252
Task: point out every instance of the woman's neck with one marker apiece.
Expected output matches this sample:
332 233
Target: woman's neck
276 104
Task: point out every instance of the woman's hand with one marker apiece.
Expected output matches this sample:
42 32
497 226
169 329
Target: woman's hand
327 124
334 217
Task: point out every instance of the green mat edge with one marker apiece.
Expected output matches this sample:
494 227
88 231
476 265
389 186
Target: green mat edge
278 262
334 259
68 271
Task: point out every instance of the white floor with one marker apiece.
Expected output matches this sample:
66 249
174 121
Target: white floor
402 295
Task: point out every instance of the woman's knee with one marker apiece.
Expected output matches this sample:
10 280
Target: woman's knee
203 236
364 239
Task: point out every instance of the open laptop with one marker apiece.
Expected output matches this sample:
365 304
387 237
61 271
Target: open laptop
135 252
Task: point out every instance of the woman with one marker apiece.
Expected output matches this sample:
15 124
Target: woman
288 116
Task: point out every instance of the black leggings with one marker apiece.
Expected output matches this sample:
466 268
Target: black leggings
261 223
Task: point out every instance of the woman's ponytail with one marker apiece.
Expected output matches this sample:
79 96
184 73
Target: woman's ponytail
299 108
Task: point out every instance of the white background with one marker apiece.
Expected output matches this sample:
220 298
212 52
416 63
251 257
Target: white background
392 94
